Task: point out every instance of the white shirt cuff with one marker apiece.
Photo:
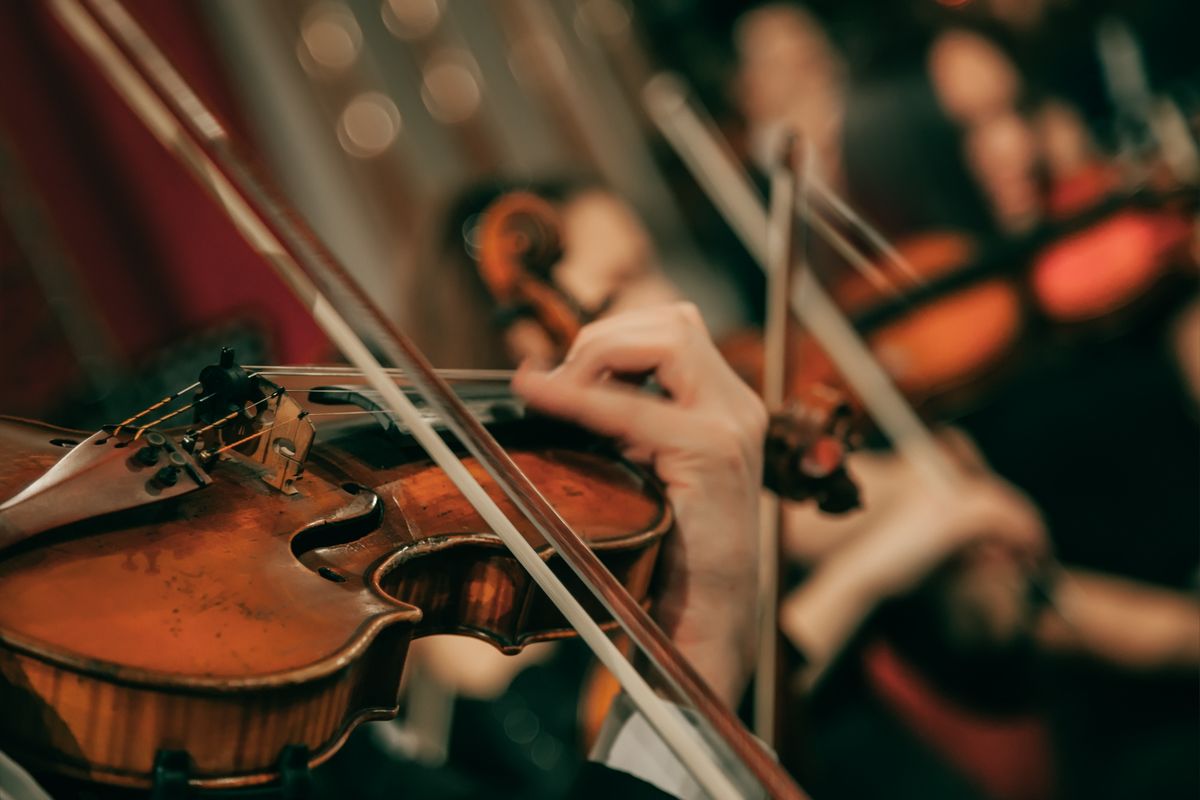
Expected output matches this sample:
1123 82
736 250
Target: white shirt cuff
628 743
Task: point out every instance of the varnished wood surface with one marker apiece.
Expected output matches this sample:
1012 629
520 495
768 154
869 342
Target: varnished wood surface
236 620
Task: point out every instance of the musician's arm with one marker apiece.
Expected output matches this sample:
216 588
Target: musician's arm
705 442
1126 623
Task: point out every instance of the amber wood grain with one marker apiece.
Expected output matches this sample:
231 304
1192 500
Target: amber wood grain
237 620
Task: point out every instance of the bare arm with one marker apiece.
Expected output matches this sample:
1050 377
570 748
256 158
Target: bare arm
905 533
1129 624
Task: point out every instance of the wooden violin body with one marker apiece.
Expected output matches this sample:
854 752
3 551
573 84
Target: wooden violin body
238 620
938 353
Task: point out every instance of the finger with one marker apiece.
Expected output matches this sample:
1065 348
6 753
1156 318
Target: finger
682 358
631 351
1012 519
613 410
682 315
674 322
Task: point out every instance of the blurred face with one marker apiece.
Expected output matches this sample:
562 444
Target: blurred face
605 248
789 78
782 53
979 89
973 79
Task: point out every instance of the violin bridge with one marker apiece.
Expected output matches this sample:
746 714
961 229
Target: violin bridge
283 449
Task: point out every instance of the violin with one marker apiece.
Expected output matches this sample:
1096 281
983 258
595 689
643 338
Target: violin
274 608
335 662
951 338
927 363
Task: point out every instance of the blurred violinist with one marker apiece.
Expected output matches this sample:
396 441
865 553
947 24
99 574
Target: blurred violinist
969 567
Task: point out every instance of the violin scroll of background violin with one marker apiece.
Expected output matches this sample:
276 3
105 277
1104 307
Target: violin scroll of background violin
806 447
519 244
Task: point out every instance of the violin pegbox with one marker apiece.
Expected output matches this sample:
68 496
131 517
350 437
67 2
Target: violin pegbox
519 242
247 414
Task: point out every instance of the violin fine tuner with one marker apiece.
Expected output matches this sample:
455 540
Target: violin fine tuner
234 410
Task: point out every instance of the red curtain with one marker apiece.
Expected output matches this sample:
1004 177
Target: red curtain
155 259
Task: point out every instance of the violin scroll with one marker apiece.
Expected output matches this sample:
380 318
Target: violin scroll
519 246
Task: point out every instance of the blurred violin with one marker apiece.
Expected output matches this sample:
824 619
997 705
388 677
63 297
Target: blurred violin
953 337
519 244
1108 253
949 345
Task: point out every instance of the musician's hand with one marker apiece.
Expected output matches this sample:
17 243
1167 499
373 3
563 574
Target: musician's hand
705 442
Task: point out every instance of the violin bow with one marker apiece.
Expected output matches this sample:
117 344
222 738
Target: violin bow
787 191
156 93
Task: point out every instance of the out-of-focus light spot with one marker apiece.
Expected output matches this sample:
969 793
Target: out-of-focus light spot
607 17
368 125
330 39
533 59
546 752
450 87
411 19
470 235
521 725
953 3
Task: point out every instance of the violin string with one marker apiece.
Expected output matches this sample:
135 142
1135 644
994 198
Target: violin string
233 414
257 434
168 399
302 415
149 425
365 392
358 413
315 389
335 371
